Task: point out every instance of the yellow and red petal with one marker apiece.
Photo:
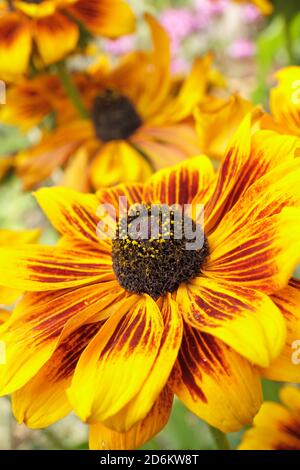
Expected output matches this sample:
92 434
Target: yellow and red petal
42 401
192 91
103 438
214 382
245 319
118 162
40 320
115 365
111 18
73 214
141 404
42 268
15 44
262 255
4 315
248 159
180 183
286 368
55 37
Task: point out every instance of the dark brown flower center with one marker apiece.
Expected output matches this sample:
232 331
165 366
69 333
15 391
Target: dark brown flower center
156 265
114 116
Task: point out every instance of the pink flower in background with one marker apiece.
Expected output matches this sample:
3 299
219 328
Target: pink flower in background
242 49
251 13
119 46
179 23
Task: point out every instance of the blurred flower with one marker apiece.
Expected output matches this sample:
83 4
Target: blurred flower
242 49
119 46
251 13
11 238
276 426
49 28
217 120
139 121
105 330
285 102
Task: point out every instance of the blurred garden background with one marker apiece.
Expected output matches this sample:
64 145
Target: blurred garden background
248 48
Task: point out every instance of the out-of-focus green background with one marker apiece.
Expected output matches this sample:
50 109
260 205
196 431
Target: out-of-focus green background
248 49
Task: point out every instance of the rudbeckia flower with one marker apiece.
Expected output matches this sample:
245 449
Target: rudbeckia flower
276 426
14 238
141 118
285 102
114 327
52 28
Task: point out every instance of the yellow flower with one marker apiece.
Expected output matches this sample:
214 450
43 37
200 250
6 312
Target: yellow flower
112 328
141 118
285 102
52 28
276 427
265 6
13 238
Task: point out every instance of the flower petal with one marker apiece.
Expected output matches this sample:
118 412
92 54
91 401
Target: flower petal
284 368
275 427
15 44
217 120
42 268
43 400
111 18
180 183
261 255
103 438
72 213
246 320
32 332
115 365
248 159
214 382
55 37
118 162
141 403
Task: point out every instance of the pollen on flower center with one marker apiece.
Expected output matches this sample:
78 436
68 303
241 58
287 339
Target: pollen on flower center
157 265
114 116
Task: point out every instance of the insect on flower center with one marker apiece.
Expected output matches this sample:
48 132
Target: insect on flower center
114 116
154 251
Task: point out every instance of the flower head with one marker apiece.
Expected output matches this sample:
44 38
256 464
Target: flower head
276 426
140 119
115 322
51 28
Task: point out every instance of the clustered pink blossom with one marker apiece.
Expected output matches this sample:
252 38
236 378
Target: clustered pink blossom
242 49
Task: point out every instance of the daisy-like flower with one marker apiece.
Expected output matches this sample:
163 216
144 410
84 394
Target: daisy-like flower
114 327
52 27
141 118
14 238
285 102
276 426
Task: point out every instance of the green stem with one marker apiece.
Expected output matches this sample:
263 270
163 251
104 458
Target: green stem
220 438
71 89
288 39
